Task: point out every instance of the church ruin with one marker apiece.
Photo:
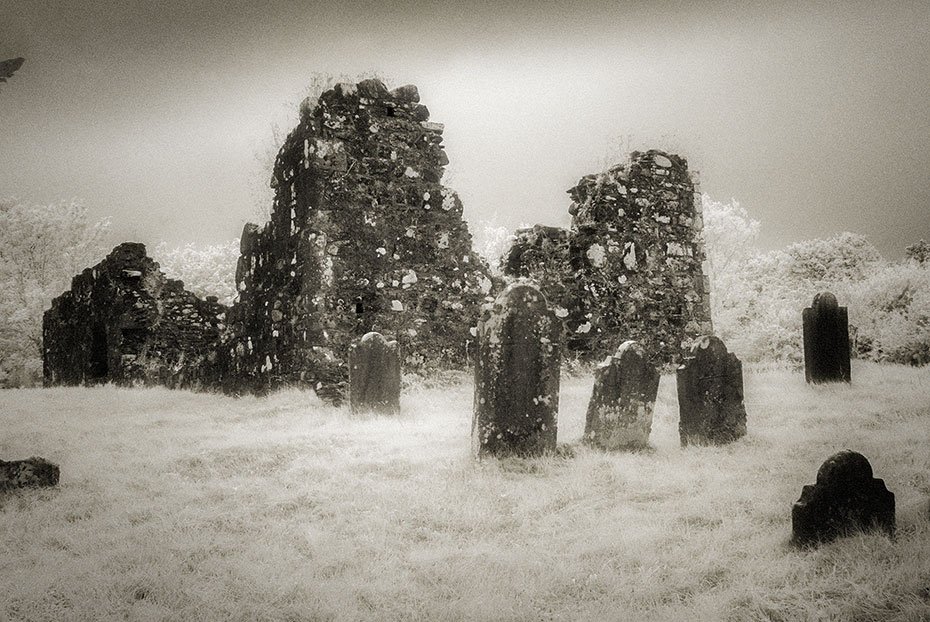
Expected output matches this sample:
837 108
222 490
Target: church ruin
630 267
363 237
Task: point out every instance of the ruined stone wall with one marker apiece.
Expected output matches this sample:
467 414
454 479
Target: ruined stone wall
123 321
631 265
362 238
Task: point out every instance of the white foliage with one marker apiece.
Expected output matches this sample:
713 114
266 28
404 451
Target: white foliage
206 271
41 248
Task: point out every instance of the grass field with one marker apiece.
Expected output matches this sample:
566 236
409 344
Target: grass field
183 506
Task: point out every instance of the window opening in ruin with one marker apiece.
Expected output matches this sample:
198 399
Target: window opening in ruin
97 368
359 307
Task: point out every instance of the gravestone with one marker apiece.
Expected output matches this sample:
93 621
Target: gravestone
826 340
517 375
374 375
620 411
844 499
710 394
30 473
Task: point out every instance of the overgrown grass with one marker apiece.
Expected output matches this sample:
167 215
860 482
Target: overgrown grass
182 506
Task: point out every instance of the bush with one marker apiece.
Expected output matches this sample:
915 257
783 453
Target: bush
208 271
890 309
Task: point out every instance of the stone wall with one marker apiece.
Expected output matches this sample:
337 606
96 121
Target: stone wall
630 268
362 238
123 321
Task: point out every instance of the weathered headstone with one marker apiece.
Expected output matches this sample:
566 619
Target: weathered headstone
826 340
844 499
29 473
710 394
517 375
620 411
374 375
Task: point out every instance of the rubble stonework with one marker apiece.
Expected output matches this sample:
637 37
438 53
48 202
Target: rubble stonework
362 238
630 268
124 322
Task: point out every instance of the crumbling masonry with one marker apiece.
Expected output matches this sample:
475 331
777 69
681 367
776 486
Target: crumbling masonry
362 237
630 268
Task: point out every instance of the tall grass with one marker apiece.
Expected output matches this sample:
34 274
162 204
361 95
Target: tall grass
183 506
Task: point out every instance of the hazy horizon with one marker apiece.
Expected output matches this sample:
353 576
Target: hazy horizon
159 115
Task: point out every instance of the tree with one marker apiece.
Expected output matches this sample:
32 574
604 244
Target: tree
41 248
209 271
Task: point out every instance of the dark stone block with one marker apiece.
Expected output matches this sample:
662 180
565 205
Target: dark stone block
620 411
406 93
374 375
30 473
372 88
517 375
845 498
826 340
710 394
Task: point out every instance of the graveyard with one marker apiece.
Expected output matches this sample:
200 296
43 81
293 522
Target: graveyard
484 349
183 505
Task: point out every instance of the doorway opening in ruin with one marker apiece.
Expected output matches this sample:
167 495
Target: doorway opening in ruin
97 368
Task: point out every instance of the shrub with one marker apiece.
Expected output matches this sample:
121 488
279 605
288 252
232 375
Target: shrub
207 271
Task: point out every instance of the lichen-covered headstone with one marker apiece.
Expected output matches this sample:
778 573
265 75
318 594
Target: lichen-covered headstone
374 375
517 375
844 499
30 473
826 340
710 394
620 411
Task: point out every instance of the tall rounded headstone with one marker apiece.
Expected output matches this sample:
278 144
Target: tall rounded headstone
845 498
826 340
374 375
710 394
620 411
517 375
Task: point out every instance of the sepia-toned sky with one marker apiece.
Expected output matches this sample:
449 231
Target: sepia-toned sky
159 114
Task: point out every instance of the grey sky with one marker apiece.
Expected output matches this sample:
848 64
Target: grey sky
816 119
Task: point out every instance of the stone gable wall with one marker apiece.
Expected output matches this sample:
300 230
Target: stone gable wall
362 238
123 321
630 268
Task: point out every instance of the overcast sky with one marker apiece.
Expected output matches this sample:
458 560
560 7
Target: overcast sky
157 114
